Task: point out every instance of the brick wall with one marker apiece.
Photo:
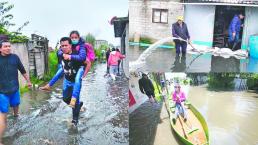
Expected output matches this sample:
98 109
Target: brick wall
140 18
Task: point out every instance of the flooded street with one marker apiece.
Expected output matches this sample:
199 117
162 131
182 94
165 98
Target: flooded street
231 117
165 60
45 118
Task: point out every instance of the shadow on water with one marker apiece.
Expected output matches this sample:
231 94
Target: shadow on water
104 122
143 124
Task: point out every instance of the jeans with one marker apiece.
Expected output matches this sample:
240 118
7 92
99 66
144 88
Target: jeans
181 44
113 69
78 83
180 110
57 76
68 88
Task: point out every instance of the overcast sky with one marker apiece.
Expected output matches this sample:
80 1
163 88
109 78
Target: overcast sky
56 18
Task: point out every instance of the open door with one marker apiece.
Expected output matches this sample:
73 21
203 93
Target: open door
223 18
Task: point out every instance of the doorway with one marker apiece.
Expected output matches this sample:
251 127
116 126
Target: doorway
223 18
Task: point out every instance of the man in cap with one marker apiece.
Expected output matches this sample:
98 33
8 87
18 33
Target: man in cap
179 30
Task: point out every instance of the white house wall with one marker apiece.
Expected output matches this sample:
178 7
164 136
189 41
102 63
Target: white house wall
250 25
200 21
140 17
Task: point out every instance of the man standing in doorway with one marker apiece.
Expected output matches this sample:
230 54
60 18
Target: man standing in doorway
234 30
179 30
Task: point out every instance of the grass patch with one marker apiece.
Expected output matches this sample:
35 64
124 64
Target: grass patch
158 94
24 89
146 40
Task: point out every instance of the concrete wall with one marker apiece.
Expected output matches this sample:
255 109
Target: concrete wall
250 25
140 18
21 50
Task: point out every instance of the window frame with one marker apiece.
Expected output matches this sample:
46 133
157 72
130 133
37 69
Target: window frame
160 15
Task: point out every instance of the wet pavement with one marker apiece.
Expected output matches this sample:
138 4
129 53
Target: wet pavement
165 60
143 124
45 118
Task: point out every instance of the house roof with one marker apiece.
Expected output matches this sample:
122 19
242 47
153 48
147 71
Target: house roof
245 2
119 25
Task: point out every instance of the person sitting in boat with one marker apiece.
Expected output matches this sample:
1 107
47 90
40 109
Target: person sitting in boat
179 98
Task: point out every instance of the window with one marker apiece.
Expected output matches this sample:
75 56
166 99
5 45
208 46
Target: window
160 16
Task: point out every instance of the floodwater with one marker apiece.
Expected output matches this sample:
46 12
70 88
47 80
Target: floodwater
231 117
165 60
45 118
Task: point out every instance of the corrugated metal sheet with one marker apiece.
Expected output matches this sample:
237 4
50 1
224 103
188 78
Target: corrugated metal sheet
119 25
251 2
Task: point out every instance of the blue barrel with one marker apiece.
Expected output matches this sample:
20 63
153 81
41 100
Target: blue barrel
253 43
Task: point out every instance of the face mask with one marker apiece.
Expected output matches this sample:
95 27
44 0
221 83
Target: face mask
75 41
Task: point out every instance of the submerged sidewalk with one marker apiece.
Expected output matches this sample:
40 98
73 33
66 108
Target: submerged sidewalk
164 135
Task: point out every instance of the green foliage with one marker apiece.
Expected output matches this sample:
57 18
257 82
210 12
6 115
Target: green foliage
5 18
221 80
24 89
146 40
252 82
90 39
53 62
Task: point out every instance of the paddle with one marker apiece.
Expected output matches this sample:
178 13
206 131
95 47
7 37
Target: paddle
182 127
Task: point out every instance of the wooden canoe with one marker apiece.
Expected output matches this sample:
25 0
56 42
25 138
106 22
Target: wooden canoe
192 132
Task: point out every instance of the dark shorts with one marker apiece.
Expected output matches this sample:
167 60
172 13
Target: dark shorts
7 100
150 94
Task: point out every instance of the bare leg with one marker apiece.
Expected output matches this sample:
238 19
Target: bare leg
2 126
16 111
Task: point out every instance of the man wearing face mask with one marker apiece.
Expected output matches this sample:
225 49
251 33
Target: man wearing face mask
79 55
70 70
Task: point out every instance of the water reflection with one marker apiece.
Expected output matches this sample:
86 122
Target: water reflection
164 60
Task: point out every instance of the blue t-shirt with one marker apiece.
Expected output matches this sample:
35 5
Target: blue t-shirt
9 66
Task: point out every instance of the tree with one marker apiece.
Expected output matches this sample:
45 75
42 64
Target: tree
5 23
5 17
90 39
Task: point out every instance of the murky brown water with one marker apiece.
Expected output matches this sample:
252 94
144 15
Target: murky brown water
232 116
